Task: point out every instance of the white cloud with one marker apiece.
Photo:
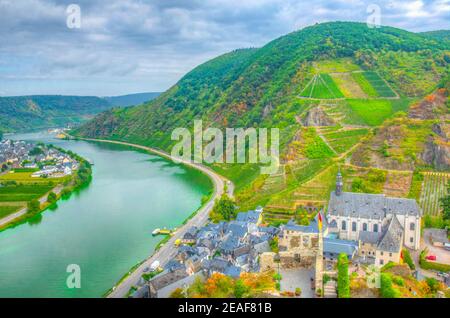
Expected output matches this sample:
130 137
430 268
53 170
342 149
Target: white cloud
153 43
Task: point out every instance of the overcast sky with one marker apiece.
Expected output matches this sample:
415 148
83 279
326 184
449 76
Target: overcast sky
129 46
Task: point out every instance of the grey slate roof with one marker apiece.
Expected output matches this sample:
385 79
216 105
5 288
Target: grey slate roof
392 238
232 271
230 243
337 246
370 206
238 229
369 237
173 265
250 216
292 226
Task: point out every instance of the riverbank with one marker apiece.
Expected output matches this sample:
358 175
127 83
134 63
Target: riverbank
168 250
63 189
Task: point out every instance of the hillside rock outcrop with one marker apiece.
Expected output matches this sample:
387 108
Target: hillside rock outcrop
317 117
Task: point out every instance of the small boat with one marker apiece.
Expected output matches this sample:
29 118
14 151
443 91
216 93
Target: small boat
156 232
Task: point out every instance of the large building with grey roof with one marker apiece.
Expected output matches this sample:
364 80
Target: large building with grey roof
382 225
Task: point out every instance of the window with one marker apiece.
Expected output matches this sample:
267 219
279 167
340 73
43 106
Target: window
344 225
411 240
354 226
381 262
412 226
381 253
364 226
390 254
375 228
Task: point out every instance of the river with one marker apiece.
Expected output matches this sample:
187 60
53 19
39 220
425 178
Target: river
104 228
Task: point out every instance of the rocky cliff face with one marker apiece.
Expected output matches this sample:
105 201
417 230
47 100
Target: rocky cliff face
431 107
437 154
317 117
437 149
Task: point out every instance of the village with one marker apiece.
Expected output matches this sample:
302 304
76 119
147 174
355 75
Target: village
44 161
372 232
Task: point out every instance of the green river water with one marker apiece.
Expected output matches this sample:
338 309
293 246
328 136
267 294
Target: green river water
104 228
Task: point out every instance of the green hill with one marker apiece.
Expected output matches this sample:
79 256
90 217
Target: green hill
345 69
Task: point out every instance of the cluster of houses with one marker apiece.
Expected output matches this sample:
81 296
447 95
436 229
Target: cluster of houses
51 162
369 228
14 152
227 247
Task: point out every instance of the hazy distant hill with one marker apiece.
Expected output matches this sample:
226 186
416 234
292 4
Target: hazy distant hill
131 99
19 113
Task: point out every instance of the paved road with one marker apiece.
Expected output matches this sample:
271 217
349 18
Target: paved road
168 250
23 211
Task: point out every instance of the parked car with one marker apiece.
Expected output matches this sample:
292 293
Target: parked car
154 266
431 258
442 274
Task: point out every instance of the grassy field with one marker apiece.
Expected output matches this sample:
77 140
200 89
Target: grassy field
378 84
336 66
21 193
372 112
6 210
322 86
25 178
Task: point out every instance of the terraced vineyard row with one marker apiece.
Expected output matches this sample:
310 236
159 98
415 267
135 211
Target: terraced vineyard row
380 86
434 187
322 86
344 139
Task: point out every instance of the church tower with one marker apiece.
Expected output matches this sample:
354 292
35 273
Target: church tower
339 184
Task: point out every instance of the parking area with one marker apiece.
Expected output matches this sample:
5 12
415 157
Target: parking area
442 255
297 278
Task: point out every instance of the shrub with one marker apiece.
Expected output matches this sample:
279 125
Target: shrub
398 281
274 244
343 277
408 259
52 197
433 284
33 206
387 290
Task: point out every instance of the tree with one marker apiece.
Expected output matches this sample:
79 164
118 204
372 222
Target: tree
4 167
240 289
445 203
36 151
33 206
52 197
343 278
387 289
224 209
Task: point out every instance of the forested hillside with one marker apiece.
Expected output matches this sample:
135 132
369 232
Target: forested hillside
334 90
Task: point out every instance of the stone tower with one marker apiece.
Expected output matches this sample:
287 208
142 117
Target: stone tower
339 184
